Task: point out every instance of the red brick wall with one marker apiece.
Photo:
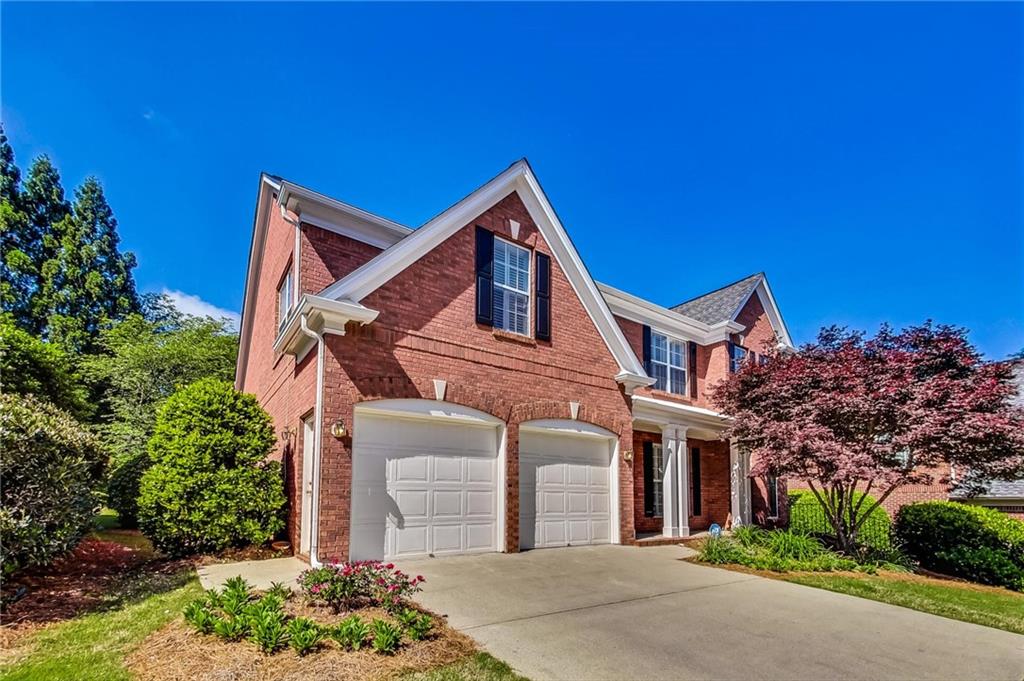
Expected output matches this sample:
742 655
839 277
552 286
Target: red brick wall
328 256
285 389
714 482
758 333
427 330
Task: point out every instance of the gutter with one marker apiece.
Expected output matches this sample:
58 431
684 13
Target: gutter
314 512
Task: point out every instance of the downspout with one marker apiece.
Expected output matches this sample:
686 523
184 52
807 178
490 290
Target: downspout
314 515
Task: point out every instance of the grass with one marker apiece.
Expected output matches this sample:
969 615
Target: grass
478 667
93 647
987 606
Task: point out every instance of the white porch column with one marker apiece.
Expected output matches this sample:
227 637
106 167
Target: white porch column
739 479
675 485
684 481
670 482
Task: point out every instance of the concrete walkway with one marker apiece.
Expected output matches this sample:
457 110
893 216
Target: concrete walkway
614 612
260 573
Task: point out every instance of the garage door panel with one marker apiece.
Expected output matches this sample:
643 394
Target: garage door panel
423 487
569 478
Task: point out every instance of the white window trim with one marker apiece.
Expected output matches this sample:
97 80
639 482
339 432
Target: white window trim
527 292
289 279
669 339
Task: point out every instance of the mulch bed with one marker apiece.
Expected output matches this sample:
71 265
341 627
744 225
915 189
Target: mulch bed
179 653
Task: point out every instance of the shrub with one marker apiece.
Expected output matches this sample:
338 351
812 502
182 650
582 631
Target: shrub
230 627
806 516
386 636
721 551
351 632
30 366
211 485
199 615
343 585
961 540
51 467
304 635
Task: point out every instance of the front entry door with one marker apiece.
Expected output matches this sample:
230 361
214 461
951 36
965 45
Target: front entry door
305 531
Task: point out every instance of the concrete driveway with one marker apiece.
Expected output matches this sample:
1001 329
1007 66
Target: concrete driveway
616 612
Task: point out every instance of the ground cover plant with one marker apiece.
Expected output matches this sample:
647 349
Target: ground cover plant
781 551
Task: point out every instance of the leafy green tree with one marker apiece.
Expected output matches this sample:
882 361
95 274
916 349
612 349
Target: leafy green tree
88 282
30 366
141 362
211 484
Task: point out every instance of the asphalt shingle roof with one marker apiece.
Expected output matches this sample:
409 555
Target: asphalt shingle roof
720 305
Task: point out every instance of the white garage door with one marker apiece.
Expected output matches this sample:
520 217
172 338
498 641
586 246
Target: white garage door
423 487
565 490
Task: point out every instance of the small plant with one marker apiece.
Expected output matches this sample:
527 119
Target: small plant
197 613
213 598
280 590
416 624
386 636
749 535
235 597
267 628
721 550
343 585
231 628
304 635
351 632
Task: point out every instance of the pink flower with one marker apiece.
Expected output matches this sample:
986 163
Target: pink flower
390 566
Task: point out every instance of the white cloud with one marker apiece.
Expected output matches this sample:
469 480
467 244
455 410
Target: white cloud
197 307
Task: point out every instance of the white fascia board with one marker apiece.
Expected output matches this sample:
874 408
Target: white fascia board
764 294
264 201
322 315
299 199
642 311
652 409
517 178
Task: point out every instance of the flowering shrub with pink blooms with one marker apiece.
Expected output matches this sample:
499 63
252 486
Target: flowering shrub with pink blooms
348 585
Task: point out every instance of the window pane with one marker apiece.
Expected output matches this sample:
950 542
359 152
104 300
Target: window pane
678 381
660 376
659 348
677 354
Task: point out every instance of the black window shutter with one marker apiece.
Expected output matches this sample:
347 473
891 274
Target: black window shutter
695 480
732 354
543 289
692 368
649 479
647 350
484 276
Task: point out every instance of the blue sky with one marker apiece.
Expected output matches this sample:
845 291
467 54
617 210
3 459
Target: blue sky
868 157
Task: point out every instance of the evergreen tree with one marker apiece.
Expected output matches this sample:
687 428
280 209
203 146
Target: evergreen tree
17 269
88 281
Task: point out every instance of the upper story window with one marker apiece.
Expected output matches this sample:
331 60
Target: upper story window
511 287
284 299
737 358
668 363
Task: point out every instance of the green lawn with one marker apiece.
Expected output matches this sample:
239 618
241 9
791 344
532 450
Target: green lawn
479 667
93 647
991 607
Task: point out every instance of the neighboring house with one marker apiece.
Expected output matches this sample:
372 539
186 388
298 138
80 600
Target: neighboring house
467 387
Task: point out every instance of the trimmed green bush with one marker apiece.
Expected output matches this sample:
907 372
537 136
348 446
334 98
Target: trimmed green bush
806 516
211 485
961 540
52 467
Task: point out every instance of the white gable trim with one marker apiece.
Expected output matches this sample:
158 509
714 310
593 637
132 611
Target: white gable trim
764 294
313 208
517 178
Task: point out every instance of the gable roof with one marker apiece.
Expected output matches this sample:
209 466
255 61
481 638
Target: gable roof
720 305
518 178
724 304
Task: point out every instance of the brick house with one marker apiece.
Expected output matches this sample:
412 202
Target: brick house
467 387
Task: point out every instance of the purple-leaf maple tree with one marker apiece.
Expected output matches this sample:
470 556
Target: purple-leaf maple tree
854 416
